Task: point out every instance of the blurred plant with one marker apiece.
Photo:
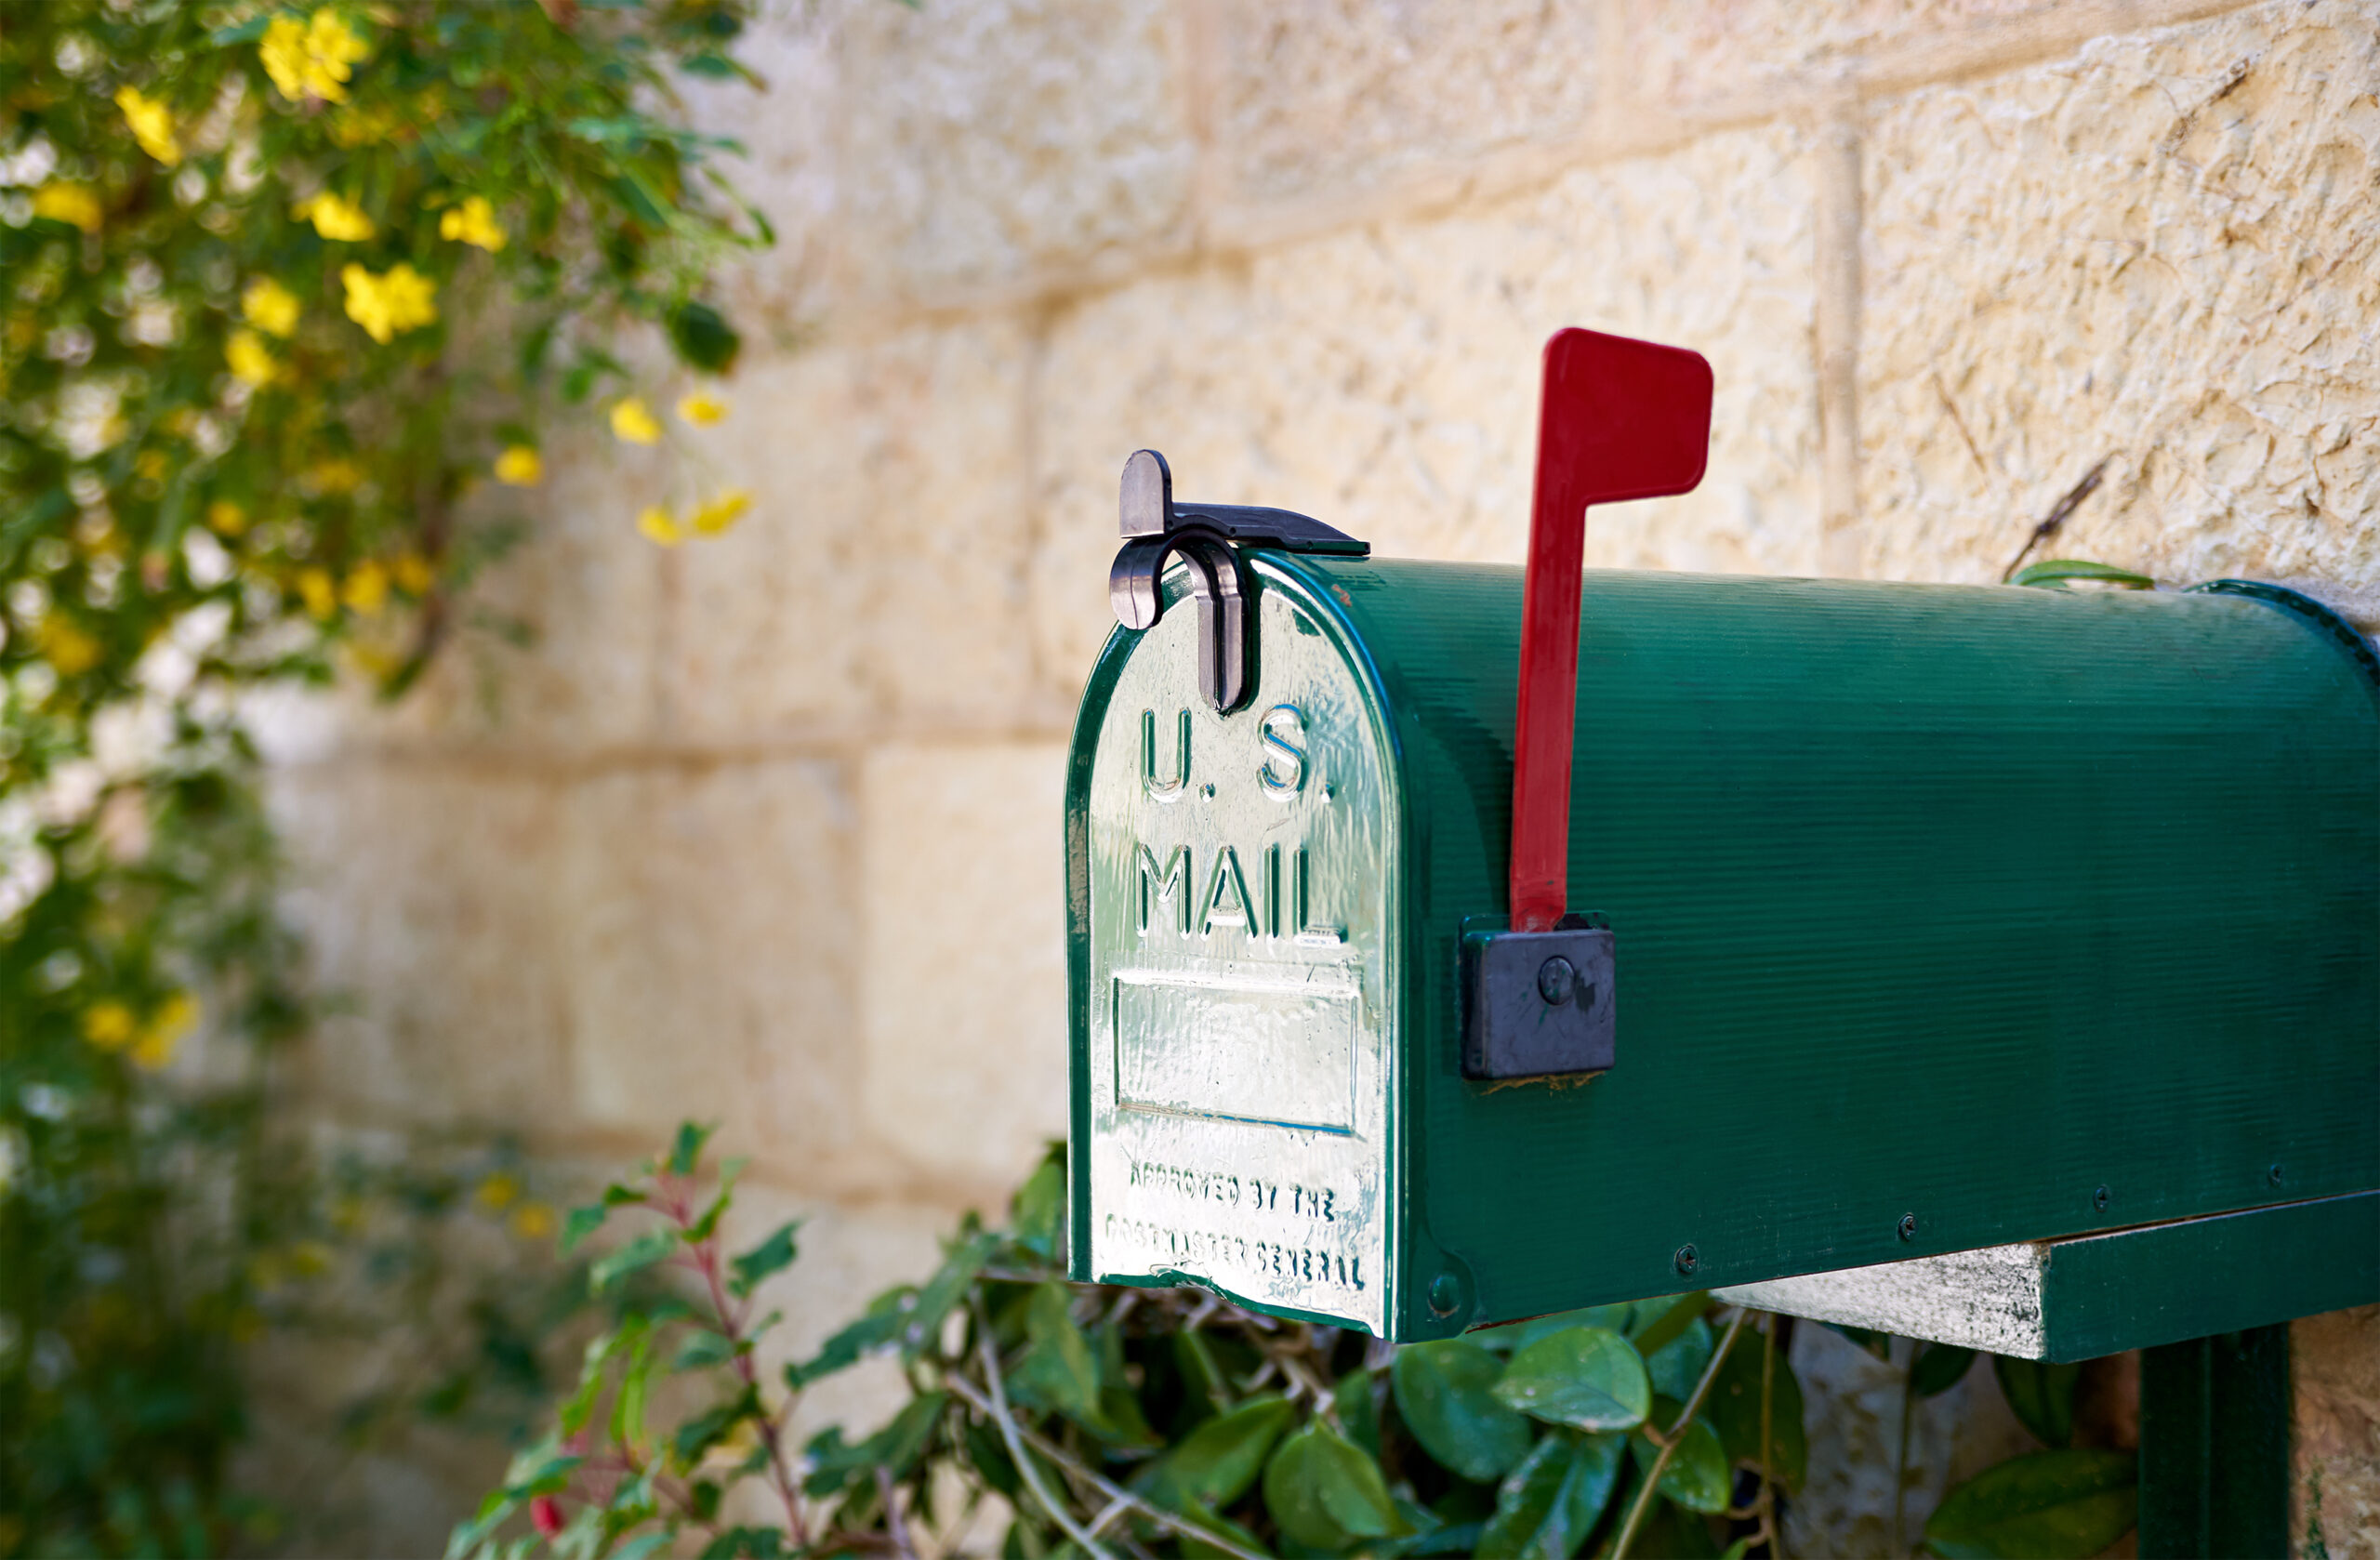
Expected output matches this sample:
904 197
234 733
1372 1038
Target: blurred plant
1113 1422
282 286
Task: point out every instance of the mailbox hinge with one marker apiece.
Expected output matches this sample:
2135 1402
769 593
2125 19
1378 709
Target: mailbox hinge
1207 537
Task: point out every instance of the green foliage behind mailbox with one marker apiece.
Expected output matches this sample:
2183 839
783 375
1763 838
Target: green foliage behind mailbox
1944 916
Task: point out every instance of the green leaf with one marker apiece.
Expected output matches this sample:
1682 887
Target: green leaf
1587 1377
702 337
1037 1213
650 1246
1678 1364
1548 1506
2045 1505
1520 1335
1215 1464
1936 1367
1698 1476
2052 573
773 1255
2040 1394
1358 1407
1653 1328
1324 1492
922 1328
875 1330
713 1425
990 1455
1058 1371
1446 1394
582 1223
895 1448
1733 1407
687 1151
702 1350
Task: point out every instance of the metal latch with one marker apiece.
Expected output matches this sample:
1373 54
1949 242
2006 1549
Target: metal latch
1616 419
1207 537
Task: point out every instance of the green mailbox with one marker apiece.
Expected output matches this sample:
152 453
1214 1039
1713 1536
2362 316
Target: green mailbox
1903 921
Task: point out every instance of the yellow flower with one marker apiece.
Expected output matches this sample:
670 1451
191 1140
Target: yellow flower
69 649
226 517
497 1192
336 476
632 420
71 203
702 410
315 584
722 511
150 464
312 59
252 363
269 307
334 216
108 1024
473 222
413 574
520 466
532 1221
309 1259
656 523
367 588
153 125
165 1033
388 305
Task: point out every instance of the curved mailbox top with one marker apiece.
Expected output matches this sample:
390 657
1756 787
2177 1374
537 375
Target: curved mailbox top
1944 916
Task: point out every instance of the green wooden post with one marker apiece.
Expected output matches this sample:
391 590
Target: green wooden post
2215 1446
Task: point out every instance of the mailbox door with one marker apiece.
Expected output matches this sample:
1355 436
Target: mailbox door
1232 894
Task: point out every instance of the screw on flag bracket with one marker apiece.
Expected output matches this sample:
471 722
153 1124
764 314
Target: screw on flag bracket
1618 419
1207 537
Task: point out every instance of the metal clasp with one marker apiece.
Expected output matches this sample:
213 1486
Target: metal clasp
1207 537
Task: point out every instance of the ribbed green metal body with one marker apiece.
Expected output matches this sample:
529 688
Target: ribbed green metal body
1946 917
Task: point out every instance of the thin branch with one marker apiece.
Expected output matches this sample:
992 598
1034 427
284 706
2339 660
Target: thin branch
998 1408
1010 1432
1942 393
1693 1405
2057 515
731 1320
894 1523
1767 1501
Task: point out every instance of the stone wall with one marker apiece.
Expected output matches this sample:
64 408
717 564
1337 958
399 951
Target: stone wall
765 829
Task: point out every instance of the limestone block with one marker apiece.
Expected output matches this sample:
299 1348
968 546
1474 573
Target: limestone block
963 954
788 135
1386 380
1321 96
423 891
881 569
985 139
2157 252
1711 54
704 919
2334 1363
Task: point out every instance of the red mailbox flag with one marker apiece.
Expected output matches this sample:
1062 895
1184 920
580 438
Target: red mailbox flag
1618 419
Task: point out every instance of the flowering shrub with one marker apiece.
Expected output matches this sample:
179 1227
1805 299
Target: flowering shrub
284 287
1112 1422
